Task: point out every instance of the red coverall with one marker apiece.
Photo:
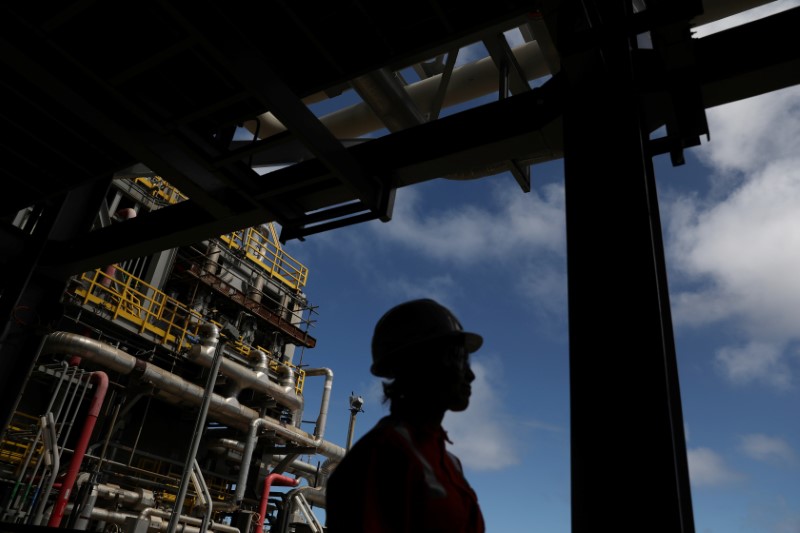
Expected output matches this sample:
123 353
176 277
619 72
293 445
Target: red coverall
400 479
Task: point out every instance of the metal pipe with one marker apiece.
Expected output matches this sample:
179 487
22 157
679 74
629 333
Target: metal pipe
174 389
244 468
325 471
314 495
206 495
60 424
136 499
161 513
300 497
313 521
284 393
52 459
34 445
467 82
319 428
260 359
85 513
273 479
209 338
119 518
101 379
296 467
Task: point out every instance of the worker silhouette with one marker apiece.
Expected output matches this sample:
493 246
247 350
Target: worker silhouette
398 477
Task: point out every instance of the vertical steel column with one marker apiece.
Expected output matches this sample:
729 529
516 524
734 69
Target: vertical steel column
209 333
628 450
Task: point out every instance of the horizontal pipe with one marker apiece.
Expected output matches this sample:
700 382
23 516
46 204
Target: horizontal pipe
175 389
467 82
284 394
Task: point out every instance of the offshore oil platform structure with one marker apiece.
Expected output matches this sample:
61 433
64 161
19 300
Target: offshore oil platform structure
172 386
153 367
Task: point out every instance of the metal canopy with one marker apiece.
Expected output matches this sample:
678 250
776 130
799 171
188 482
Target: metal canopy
206 96
93 88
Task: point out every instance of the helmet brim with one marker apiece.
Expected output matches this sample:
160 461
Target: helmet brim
385 368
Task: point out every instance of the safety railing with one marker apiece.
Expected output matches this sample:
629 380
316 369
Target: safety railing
18 438
263 250
168 321
160 189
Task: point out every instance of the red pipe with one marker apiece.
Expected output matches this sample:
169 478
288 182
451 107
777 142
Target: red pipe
276 479
101 386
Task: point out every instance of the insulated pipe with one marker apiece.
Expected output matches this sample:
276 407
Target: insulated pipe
137 499
319 428
176 390
325 471
247 455
388 99
467 82
211 264
51 459
260 359
119 518
206 496
210 341
300 497
297 467
313 522
284 393
161 513
101 384
314 495
273 479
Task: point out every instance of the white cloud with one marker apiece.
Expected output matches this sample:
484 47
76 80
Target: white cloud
769 449
740 247
519 223
484 438
755 362
545 285
748 246
440 288
750 134
707 468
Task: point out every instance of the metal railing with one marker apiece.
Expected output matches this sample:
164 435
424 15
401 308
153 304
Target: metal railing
166 320
262 249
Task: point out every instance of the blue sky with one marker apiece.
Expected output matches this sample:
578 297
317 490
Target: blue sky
496 256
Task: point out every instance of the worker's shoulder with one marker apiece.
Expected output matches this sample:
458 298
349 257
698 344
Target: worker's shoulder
386 436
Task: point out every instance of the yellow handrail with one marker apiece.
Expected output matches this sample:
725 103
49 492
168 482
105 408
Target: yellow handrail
265 251
169 321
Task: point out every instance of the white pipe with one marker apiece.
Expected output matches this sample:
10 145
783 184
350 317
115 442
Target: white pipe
247 455
467 82
155 516
284 393
175 389
319 428
51 458
136 499
714 10
206 497
297 467
301 503
313 495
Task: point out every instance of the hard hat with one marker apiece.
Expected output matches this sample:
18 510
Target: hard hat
411 324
